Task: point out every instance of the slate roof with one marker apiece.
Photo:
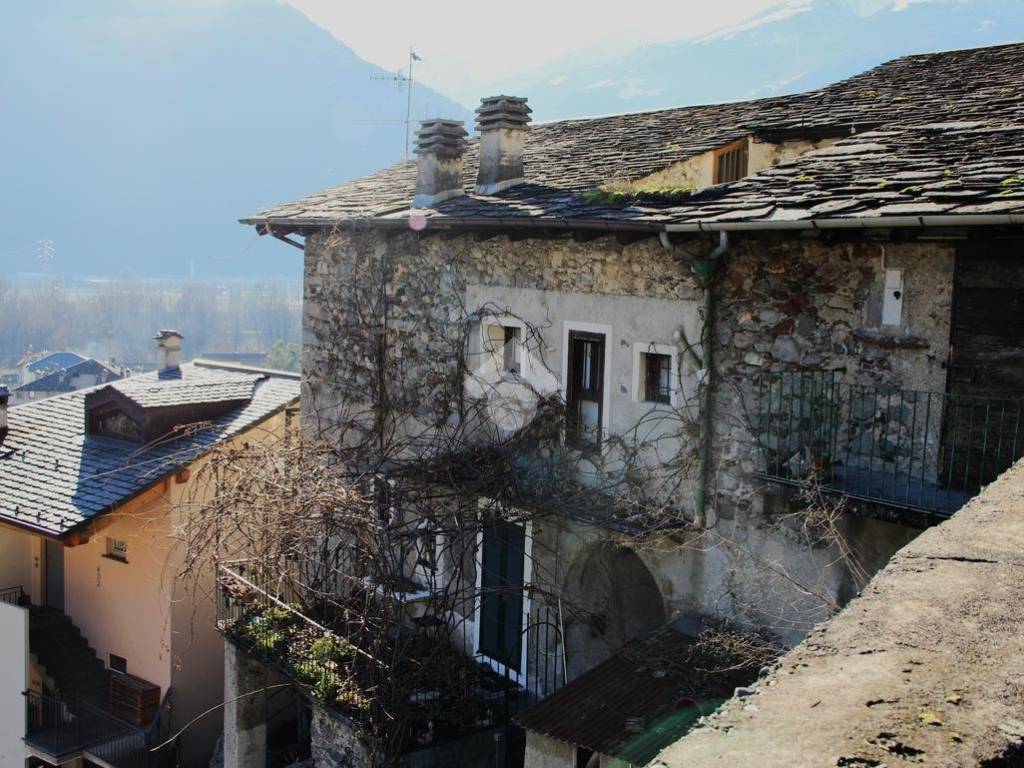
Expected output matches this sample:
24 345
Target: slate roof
54 360
53 476
566 158
158 391
62 379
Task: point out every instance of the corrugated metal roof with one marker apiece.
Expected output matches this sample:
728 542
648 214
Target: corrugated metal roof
651 691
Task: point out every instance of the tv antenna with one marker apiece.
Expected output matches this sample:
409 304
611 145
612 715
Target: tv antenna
407 79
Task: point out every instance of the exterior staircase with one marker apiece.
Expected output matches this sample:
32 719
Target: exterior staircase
66 657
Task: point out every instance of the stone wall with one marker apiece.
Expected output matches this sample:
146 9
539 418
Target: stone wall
334 742
783 303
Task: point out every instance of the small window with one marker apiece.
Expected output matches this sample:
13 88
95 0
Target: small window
657 377
110 421
505 342
118 664
731 162
117 549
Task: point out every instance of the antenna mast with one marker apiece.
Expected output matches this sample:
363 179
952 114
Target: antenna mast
407 79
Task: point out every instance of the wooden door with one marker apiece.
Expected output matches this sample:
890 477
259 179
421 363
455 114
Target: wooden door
503 560
983 431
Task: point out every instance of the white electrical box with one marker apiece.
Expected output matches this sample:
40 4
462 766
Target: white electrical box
892 300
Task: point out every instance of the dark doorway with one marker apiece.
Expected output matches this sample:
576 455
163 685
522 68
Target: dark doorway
983 433
54 556
503 560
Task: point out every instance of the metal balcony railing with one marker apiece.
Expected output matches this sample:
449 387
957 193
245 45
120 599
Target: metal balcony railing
60 728
68 728
923 451
14 596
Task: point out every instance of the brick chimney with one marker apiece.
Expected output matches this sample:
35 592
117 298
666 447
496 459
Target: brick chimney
5 396
503 123
168 351
440 145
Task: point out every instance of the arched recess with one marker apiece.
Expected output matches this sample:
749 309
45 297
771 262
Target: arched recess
610 598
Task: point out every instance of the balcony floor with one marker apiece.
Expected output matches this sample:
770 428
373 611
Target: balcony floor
883 487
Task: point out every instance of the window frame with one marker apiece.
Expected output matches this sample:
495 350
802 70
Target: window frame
570 327
639 389
520 676
740 146
113 552
500 356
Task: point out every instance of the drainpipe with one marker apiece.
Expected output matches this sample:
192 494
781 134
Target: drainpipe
705 269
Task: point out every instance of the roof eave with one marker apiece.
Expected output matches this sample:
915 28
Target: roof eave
866 222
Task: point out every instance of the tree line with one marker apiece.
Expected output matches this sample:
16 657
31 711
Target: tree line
115 321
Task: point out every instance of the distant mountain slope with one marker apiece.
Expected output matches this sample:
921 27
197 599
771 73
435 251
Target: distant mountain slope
134 134
792 47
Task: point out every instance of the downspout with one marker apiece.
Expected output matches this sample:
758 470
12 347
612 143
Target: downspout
705 269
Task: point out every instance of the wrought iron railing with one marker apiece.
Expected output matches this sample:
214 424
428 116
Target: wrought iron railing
14 596
60 728
924 451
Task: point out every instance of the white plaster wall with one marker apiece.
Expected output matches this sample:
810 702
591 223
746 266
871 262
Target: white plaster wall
632 320
13 681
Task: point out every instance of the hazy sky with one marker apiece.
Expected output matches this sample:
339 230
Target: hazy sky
468 44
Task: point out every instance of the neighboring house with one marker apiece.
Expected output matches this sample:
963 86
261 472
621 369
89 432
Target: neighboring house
109 651
737 304
87 373
37 364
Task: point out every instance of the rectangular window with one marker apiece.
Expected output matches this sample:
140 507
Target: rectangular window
657 377
505 342
585 390
117 549
118 664
731 162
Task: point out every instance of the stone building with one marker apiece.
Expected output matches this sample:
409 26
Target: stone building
781 337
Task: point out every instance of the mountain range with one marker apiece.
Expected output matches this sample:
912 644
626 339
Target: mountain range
134 134
793 46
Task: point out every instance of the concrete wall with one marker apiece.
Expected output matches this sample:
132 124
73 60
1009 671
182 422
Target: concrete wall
544 752
13 681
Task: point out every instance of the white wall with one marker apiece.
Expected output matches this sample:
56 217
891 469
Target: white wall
13 681
633 320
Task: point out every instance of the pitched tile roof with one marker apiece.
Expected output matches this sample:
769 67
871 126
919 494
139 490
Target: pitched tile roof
62 379
563 159
53 476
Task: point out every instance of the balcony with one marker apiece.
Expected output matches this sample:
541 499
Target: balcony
925 452
459 701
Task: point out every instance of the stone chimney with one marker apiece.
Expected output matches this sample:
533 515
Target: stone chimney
168 351
502 122
5 396
440 145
